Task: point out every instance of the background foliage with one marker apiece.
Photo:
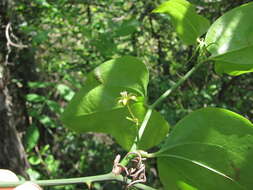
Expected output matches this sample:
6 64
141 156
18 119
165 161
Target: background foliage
68 38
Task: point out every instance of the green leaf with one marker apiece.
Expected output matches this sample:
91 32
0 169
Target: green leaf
54 106
66 92
127 27
189 25
230 41
34 160
47 121
33 174
209 149
31 137
40 84
95 108
35 98
50 159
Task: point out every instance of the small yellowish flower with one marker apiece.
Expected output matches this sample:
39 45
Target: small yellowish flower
126 97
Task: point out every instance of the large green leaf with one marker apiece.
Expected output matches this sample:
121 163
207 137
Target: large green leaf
230 41
209 149
189 25
96 108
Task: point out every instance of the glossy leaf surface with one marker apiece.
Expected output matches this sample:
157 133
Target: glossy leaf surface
189 25
95 108
230 41
209 149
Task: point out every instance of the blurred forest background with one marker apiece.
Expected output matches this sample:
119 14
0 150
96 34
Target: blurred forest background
46 49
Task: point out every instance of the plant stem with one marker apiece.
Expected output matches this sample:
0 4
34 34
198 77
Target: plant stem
138 185
174 87
148 155
135 120
144 123
68 181
127 158
54 182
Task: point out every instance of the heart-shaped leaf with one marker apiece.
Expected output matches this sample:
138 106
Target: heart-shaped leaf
209 149
230 41
95 108
189 25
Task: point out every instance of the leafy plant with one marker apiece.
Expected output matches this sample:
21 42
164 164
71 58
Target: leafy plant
97 104
188 24
230 41
211 148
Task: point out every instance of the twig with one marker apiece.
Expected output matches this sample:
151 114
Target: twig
179 83
81 180
9 41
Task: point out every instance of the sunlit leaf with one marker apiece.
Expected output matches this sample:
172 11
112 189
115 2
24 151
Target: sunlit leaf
188 24
35 98
209 149
230 41
38 84
66 92
34 160
96 108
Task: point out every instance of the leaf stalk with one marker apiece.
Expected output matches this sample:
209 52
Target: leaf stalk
80 180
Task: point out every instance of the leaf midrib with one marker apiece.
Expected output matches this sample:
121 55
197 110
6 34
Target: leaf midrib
190 143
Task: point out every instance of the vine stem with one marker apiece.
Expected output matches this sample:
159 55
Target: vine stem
174 87
145 122
147 116
80 180
134 147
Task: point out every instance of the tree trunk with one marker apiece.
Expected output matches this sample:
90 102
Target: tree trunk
12 154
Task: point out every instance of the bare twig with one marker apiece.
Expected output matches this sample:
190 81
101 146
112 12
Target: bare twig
9 41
